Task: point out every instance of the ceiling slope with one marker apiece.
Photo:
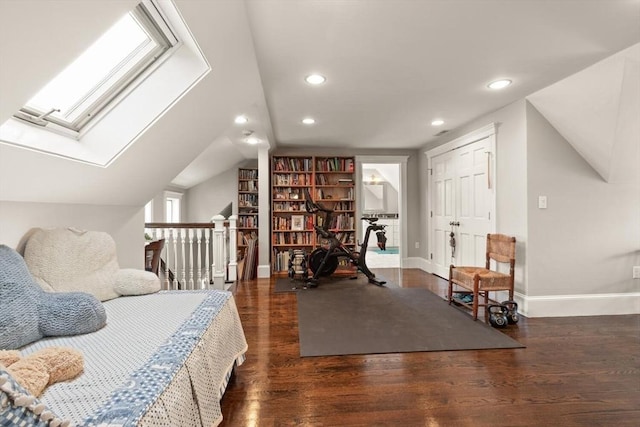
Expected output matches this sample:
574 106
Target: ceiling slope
597 110
192 124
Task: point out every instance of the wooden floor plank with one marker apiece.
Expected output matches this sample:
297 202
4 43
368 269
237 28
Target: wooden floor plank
575 371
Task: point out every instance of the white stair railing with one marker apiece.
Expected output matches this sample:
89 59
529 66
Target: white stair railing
196 255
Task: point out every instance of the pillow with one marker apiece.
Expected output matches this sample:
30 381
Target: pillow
27 313
67 259
18 408
130 281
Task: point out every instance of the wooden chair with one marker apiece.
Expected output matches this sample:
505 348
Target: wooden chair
479 281
152 253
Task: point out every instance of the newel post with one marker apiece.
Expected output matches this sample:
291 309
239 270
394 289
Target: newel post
218 267
233 253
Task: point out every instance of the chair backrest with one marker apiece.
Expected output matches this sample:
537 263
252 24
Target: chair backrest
501 248
152 256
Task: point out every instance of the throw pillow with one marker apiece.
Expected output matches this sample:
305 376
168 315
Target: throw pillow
27 313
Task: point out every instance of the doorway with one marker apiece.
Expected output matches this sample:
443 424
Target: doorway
461 201
381 181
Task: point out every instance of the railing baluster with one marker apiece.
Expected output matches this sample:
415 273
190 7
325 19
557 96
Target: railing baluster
183 273
163 232
206 258
199 240
191 285
181 250
174 237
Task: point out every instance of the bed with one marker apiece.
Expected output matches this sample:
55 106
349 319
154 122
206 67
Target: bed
163 359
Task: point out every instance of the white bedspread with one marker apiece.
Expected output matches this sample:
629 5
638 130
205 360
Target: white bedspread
162 360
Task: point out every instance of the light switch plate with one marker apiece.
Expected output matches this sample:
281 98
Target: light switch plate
542 202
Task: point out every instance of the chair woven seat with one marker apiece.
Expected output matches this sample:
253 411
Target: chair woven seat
479 281
489 280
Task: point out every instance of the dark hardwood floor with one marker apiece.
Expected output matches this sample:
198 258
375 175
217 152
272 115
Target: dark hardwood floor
575 371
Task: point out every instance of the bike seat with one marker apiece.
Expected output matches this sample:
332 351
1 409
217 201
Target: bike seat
371 220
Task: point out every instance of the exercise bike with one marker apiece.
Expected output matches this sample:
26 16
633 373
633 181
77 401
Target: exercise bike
324 260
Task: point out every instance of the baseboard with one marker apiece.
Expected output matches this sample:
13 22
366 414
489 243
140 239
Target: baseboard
264 271
579 305
559 305
416 262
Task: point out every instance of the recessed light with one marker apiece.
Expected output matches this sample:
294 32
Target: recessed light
252 140
308 121
241 120
315 79
437 122
499 84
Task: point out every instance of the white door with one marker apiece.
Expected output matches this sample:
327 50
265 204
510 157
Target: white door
442 211
462 201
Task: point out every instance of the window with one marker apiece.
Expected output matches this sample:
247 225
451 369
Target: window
172 206
115 61
148 212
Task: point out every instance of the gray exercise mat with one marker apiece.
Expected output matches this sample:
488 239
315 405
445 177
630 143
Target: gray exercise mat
368 319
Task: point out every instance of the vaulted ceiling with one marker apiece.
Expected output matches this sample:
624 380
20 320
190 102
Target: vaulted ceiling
392 66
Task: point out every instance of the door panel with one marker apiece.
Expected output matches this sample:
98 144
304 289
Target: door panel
443 203
463 194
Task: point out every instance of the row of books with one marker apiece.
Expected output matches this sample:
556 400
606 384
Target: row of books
292 164
334 164
294 222
293 238
250 221
248 173
289 206
281 193
339 222
247 200
331 180
248 265
292 179
324 195
248 185
281 260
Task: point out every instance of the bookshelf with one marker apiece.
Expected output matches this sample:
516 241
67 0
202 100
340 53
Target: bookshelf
247 226
330 181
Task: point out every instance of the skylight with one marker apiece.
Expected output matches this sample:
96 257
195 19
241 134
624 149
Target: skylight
102 72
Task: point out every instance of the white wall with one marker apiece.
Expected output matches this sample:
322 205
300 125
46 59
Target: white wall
511 179
574 258
210 197
112 199
124 223
588 239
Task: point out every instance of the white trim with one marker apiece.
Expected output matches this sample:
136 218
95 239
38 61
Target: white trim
402 215
264 271
560 305
488 131
579 305
416 262
469 138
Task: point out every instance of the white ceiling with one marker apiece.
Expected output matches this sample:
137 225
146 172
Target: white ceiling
392 66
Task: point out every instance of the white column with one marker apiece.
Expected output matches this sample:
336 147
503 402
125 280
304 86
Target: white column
264 215
233 253
218 266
